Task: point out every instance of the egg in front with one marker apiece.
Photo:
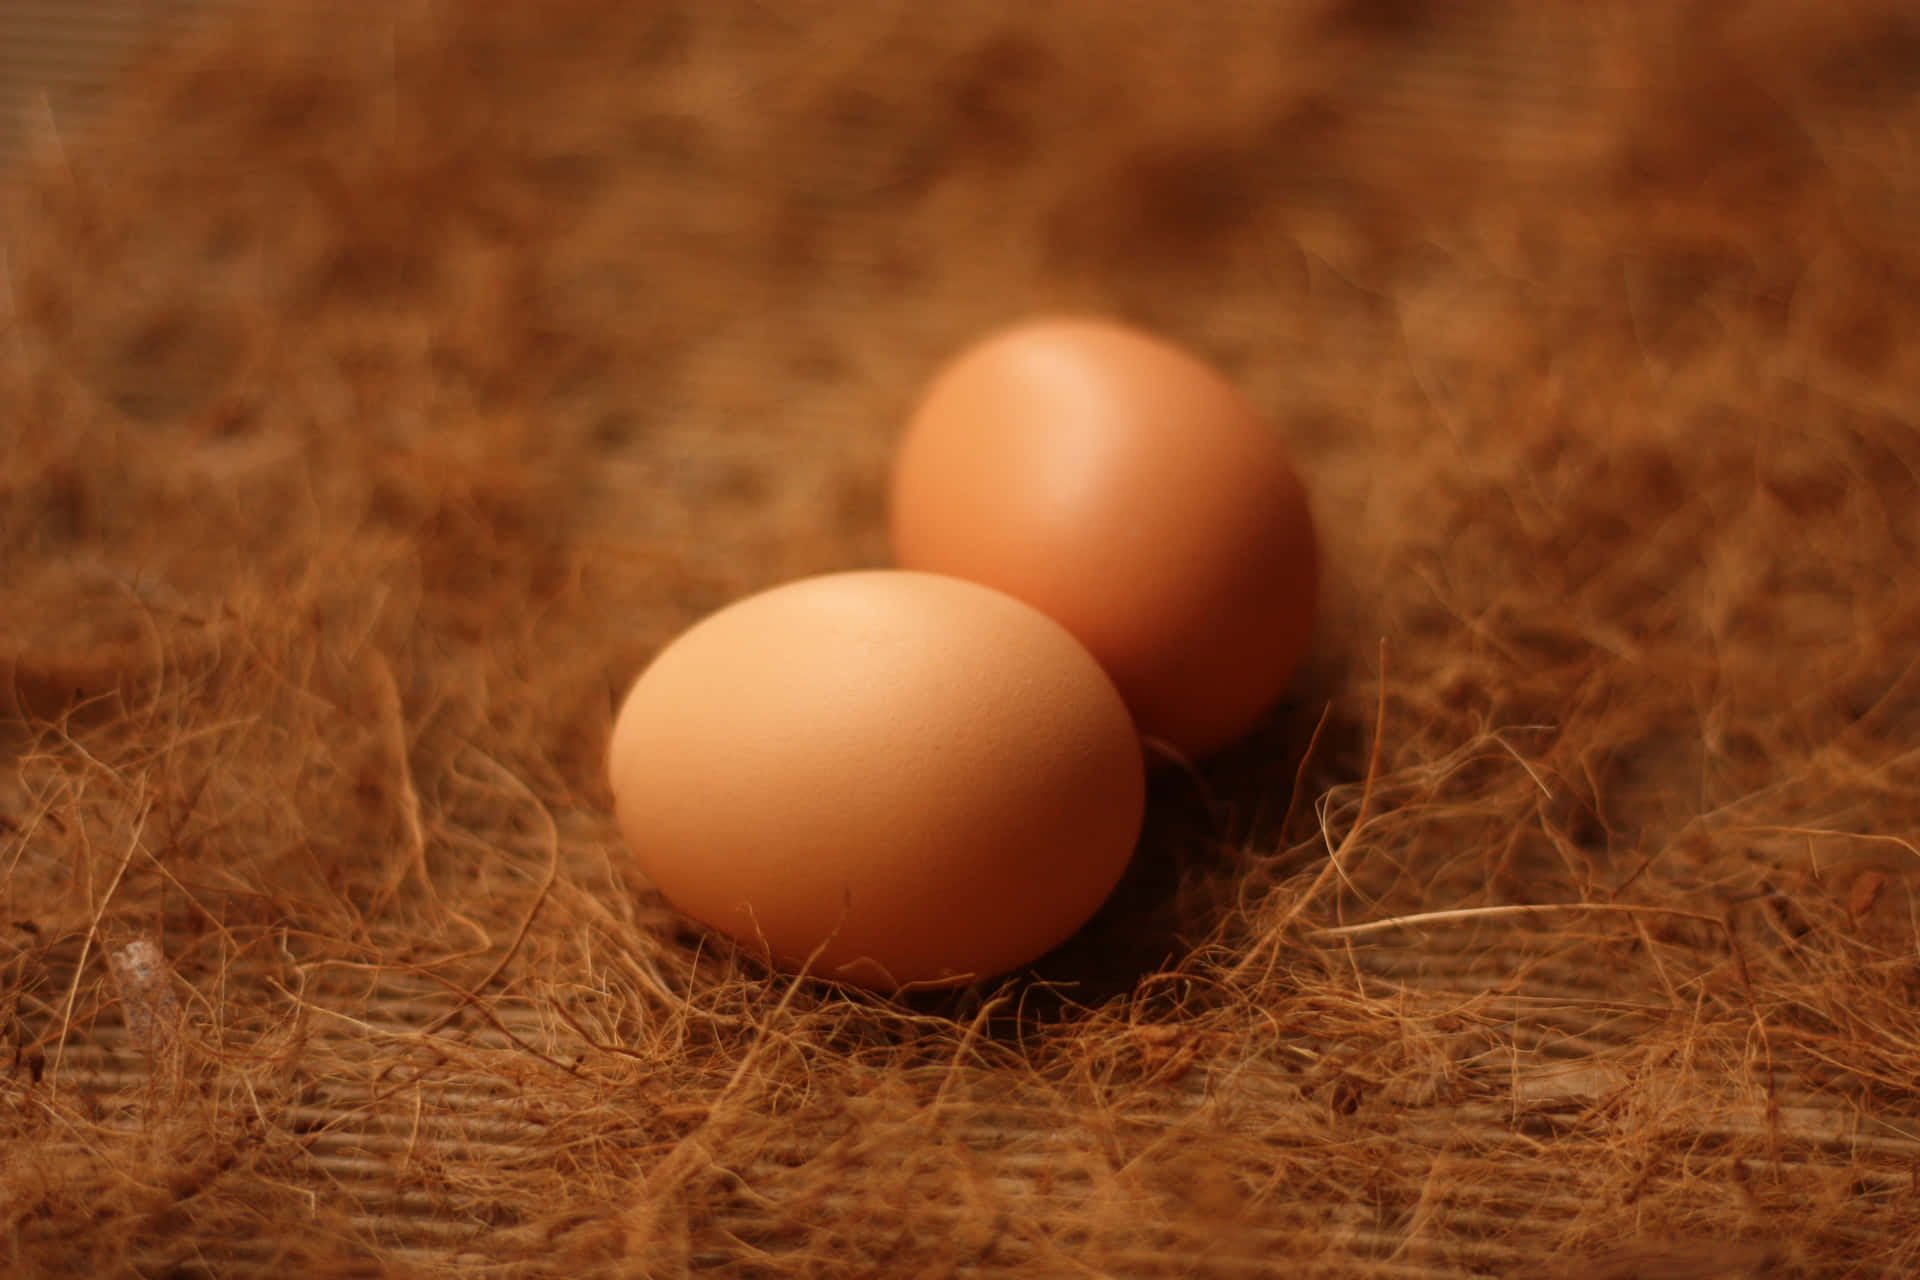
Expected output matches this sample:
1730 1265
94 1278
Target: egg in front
890 778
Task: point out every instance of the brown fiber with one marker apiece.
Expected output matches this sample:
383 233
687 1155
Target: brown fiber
381 385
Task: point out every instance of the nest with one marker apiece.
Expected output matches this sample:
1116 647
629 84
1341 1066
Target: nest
378 395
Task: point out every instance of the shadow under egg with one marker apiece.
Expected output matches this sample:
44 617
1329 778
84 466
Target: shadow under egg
1206 826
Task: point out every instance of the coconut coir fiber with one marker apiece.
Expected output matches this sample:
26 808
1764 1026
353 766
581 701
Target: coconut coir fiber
379 390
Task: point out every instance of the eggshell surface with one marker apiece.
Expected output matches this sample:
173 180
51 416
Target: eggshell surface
888 777
1126 489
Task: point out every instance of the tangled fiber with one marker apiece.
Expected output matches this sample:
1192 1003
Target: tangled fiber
378 392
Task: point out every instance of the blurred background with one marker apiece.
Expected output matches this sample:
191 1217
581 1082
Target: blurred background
57 57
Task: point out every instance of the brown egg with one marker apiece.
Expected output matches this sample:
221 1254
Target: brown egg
887 777
1125 488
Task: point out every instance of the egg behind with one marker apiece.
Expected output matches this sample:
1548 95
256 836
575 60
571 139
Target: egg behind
890 777
1125 488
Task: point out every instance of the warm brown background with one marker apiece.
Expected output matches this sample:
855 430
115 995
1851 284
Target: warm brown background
57 57
380 387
